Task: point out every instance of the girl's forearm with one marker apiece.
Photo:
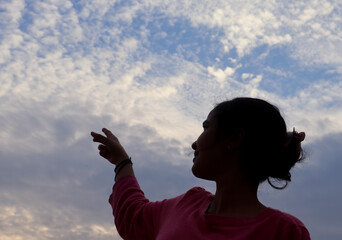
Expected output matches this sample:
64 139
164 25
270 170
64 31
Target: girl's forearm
127 170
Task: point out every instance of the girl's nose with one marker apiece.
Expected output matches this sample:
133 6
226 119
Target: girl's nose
194 146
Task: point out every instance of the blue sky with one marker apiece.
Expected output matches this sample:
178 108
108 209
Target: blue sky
151 71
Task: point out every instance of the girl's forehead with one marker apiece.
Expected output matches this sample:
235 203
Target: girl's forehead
211 115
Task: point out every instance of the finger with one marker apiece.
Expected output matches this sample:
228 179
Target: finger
108 133
93 134
104 153
102 147
99 138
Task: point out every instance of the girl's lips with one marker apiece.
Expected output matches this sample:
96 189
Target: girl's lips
195 156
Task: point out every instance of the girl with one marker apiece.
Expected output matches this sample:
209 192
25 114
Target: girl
244 143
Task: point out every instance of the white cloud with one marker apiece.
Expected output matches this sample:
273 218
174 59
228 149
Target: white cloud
38 223
12 12
72 71
278 72
246 75
221 75
110 80
98 9
254 85
249 24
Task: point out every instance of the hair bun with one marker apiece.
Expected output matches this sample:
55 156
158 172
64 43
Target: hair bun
293 153
294 139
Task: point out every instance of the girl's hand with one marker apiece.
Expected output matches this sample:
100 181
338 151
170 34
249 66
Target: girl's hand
110 147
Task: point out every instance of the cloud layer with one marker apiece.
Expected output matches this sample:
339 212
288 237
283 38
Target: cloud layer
151 71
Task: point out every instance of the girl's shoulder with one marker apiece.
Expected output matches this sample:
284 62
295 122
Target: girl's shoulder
284 217
198 192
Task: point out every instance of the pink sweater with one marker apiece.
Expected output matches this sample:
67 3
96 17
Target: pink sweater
184 217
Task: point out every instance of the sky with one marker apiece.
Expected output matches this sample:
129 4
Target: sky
150 71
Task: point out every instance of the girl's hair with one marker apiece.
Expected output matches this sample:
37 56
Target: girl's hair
267 151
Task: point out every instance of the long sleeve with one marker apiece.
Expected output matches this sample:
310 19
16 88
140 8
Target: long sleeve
184 217
135 216
295 232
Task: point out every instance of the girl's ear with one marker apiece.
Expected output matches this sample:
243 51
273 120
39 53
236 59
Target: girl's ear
237 138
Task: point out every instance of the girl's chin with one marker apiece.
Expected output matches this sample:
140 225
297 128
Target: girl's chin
203 174
195 171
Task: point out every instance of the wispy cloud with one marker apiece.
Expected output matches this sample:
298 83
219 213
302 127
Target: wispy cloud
150 71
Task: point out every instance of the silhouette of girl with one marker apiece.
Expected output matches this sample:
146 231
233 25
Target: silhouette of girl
244 142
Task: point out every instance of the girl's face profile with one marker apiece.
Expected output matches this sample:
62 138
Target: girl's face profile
209 150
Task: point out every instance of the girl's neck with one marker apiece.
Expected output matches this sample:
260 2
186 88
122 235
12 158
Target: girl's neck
236 200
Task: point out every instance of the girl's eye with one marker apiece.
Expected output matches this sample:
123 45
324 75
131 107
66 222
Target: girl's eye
205 125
